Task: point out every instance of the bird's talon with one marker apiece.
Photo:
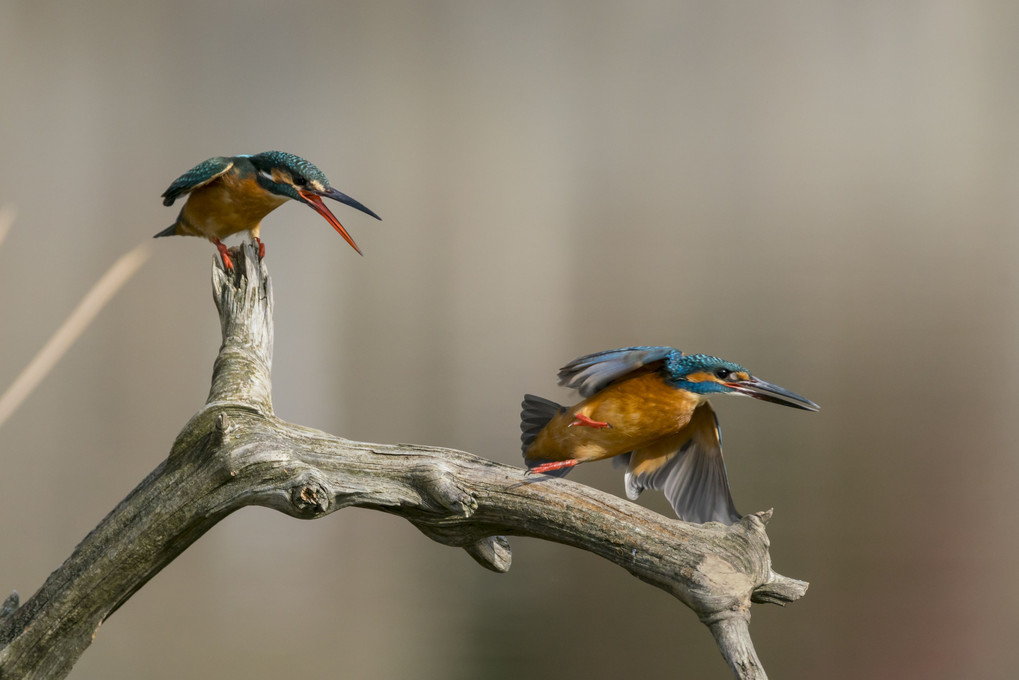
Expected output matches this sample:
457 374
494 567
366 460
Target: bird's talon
261 248
552 466
581 419
224 252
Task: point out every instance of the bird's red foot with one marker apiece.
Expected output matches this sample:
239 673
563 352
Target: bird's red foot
552 466
581 419
224 253
261 248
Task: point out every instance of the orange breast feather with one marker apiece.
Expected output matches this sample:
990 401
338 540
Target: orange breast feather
228 205
640 410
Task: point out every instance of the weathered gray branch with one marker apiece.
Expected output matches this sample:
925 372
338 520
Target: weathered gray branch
235 452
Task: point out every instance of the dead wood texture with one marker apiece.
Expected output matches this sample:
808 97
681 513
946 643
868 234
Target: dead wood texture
235 452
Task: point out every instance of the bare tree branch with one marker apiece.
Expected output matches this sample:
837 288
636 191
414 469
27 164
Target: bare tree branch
235 452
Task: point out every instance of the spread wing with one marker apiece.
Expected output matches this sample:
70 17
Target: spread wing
198 176
689 469
593 372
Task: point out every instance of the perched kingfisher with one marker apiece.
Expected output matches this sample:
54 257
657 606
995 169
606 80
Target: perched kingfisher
649 406
230 194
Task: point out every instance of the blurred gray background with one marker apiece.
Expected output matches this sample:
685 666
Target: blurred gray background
824 192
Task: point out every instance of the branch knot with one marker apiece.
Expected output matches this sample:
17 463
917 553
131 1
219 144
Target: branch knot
309 496
439 481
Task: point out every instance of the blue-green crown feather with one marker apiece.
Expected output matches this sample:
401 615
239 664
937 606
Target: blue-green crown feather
295 165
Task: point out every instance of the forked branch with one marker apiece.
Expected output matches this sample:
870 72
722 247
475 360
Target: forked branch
235 452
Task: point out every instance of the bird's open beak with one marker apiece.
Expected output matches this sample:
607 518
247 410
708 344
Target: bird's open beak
314 199
761 389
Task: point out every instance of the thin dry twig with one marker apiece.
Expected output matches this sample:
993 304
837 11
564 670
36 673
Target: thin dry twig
7 215
101 293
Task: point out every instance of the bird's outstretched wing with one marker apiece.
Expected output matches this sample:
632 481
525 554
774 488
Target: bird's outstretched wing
591 373
689 469
198 176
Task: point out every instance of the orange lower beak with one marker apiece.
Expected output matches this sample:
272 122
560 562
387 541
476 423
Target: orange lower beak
316 202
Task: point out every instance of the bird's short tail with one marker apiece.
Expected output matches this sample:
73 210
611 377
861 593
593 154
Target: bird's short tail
535 412
169 231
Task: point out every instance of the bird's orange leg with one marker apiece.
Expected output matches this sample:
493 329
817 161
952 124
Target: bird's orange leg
581 419
261 248
554 465
227 262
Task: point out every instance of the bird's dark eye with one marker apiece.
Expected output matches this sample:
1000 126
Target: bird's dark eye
300 181
722 373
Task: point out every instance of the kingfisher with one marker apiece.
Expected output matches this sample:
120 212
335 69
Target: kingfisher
648 408
230 194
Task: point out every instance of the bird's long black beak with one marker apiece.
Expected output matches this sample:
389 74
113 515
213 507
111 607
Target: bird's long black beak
765 391
313 199
336 195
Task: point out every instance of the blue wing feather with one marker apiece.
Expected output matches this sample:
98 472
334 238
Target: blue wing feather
593 372
200 175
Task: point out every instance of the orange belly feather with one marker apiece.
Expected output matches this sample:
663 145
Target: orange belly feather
640 410
225 206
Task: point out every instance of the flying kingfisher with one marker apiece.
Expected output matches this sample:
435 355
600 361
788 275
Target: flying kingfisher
230 194
649 406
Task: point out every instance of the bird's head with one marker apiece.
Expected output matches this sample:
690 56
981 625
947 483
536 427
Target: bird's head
290 176
706 375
